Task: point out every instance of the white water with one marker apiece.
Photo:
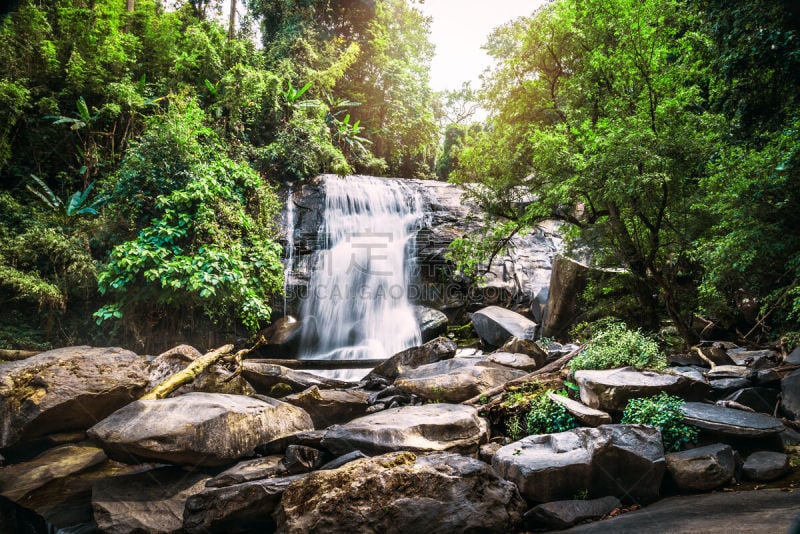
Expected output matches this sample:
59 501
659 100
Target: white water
357 306
287 269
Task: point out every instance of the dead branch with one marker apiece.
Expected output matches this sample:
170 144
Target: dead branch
188 374
551 367
12 355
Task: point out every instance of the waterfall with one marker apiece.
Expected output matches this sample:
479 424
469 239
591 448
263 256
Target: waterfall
287 270
357 306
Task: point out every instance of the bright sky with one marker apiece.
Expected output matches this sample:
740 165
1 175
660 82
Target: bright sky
459 29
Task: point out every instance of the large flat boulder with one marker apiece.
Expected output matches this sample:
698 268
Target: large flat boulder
151 502
495 325
197 428
430 427
702 468
264 376
515 360
626 461
433 351
455 380
730 422
611 390
402 492
18 480
65 390
245 507
330 406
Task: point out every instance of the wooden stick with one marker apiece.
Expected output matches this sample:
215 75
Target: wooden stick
11 355
549 368
187 375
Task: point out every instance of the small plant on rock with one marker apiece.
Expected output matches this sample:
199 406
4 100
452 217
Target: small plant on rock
617 346
663 412
546 416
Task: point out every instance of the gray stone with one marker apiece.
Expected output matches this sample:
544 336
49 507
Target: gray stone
730 422
312 438
790 395
611 390
686 359
17 480
581 412
336 463
197 428
453 380
752 512
330 406
760 399
527 347
282 338
258 468
431 352
495 325
488 450
515 360
65 390
149 502
716 356
763 466
432 323
301 459
401 492
626 461
793 358
730 371
723 387
430 427
245 507
563 514
755 359
692 373
263 376
568 279
703 468
214 379
767 378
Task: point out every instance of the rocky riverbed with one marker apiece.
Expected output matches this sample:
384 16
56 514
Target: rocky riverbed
270 448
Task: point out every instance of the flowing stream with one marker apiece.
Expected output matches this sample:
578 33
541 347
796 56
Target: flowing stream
357 305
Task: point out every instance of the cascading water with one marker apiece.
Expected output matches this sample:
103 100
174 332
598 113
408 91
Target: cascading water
287 269
358 306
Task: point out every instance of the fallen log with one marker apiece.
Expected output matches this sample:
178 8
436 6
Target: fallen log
549 368
12 355
191 372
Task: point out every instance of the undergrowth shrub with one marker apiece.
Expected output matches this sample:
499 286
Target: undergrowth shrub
663 412
616 346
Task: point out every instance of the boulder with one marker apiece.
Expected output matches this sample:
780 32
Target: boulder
626 461
330 406
730 422
703 468
264 376
495 325
790 395
258 468
793 358
581 412
527 347
197 428
311 438
338 462
755 359
214 379
432 323
722 387
402 492
149 502
763 466
65 390
730 371
245 507
611 390
301 459
17 480
453 381
563 514
515 360
433 351
715 355
760 399
430 427
282 338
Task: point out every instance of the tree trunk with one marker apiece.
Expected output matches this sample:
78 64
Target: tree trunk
187 375
232 21
130 5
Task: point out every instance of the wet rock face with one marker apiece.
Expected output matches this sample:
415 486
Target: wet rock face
205 429
626 461
65 390
402 492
